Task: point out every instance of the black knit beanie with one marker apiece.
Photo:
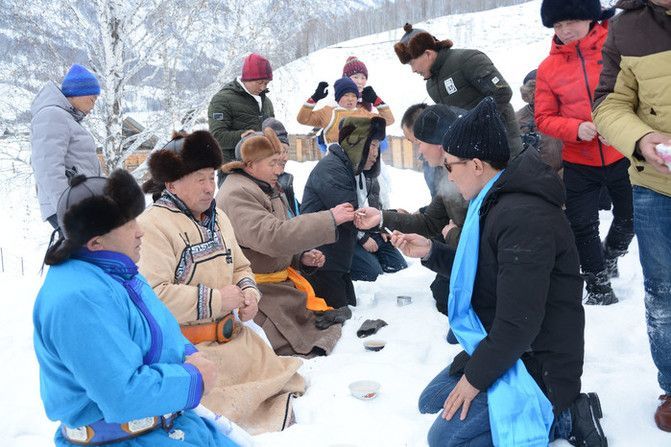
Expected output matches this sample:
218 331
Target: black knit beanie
480 133
434 121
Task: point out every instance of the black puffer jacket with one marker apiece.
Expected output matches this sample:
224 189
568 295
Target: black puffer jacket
528 290
332 182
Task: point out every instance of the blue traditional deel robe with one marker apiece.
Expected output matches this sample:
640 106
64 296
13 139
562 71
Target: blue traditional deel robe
94 347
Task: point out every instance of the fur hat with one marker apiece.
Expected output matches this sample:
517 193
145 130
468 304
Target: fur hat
355 136
184 154
415 42
480 133
256 147
353 66
553 11
93 206
345 85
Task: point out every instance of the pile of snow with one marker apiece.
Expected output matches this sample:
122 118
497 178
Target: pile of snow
513 37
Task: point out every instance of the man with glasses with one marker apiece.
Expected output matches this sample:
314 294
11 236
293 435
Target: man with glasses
241 106
515 300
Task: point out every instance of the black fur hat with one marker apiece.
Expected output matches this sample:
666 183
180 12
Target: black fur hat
183 155
553 11
415 42
93 206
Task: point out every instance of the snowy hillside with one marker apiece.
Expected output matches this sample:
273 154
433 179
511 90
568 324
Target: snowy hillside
513 37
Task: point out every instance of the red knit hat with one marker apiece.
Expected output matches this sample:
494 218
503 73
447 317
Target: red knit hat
256 67
353 66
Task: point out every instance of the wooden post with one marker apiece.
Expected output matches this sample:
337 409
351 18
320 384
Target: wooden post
396 153
408 155
299 149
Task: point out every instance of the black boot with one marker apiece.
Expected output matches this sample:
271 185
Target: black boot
586 429
610 260
599 291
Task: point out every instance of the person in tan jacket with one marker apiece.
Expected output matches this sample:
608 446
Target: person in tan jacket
632 110
193 262
328 117
279 247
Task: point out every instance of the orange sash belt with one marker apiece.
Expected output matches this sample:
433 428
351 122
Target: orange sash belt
312 302
221 331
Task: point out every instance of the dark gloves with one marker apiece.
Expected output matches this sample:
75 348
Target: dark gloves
330 317
368 94
370 327
321 92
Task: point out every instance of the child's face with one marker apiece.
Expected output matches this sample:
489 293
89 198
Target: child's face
348 101
360 80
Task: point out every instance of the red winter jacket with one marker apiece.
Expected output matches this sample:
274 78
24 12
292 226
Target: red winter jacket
565 85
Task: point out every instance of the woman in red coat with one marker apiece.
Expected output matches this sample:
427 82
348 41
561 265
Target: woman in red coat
565 86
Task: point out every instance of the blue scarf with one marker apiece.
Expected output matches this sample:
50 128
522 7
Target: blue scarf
520 415
124 270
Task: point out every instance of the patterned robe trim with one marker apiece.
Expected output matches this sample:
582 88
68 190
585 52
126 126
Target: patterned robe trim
249 283
204 308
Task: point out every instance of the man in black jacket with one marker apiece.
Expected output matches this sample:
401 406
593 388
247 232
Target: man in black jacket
458 77
527 291
339 177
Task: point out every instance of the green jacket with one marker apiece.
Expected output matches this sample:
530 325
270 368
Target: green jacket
231 112
462 78
633 97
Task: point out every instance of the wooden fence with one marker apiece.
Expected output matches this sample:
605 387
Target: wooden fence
400 153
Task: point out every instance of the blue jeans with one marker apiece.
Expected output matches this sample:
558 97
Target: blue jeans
473 431
652 224
368 266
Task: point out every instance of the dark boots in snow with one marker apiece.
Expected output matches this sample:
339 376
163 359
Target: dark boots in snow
599 291
610 256
586 429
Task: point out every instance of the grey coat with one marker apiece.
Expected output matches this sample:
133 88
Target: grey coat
59 144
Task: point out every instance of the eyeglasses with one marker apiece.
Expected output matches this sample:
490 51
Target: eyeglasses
448 166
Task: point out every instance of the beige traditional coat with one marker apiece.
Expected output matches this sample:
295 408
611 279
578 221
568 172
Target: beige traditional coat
186 265
273 242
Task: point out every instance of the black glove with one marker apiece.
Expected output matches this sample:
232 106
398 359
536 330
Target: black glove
330 317
369 95
321 92
370 327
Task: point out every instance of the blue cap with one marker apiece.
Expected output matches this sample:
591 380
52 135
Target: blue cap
79 82
345 85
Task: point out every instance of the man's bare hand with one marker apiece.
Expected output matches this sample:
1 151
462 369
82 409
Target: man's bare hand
343 213
231 298
367 217
313 258
370 246
461 397
207 368
412 245
647 146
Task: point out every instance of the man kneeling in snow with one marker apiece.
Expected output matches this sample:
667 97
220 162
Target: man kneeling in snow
514 304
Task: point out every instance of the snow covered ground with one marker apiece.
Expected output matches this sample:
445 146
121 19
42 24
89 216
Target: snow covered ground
617 360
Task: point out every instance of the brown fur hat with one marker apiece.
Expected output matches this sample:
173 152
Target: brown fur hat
415 42
256 147
184 154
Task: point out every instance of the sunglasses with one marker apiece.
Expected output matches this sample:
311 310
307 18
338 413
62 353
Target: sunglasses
448 166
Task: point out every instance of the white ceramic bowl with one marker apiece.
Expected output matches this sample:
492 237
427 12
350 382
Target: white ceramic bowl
364 389
374 345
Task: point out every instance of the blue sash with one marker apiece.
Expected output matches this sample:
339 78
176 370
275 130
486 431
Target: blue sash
519 413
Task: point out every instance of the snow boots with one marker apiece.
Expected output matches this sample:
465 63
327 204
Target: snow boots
599 291
586 429
610 256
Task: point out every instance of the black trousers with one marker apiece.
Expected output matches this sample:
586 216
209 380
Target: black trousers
335 287
583 188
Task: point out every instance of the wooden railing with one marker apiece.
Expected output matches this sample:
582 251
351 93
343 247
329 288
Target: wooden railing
400 153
